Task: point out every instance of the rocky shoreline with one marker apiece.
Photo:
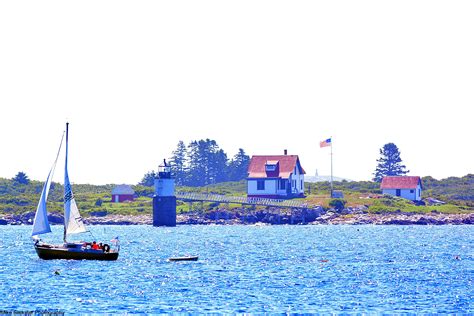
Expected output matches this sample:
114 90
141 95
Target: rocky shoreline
268 217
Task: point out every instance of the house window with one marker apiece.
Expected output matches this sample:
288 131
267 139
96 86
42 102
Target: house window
270 167
260 185
398 192
412 191
301 184
282 184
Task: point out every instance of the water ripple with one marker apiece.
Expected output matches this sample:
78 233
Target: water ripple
246 269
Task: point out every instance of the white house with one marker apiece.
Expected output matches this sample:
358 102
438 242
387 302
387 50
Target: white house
275 177
402 186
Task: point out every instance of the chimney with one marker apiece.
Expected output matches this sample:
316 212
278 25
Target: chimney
285 152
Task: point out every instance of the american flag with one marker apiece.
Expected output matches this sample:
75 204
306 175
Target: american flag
325 143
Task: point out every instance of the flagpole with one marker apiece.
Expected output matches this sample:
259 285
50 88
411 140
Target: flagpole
331 169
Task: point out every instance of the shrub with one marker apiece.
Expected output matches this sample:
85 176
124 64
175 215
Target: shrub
337 204
99 202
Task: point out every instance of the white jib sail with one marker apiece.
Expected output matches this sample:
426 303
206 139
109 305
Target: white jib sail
41 223
72 219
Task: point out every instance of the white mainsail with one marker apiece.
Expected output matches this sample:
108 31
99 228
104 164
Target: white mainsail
41 223
72 219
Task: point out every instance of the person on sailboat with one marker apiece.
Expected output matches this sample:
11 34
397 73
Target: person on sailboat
95 246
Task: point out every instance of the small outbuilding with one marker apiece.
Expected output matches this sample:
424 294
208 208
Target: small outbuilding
123 192
275 176
403 186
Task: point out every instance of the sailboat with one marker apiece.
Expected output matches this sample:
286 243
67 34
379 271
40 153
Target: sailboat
73 224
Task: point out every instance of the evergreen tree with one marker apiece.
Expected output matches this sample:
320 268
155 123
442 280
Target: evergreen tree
178 162
198 167
21 178
389 164
207 163
218 169
148 179
238 166
202 163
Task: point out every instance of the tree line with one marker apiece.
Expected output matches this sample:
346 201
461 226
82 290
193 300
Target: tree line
201 163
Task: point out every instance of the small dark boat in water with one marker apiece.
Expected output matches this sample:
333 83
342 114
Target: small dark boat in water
186 258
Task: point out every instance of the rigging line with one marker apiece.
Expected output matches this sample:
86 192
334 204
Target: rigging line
87 231
57 156
92 235
79 221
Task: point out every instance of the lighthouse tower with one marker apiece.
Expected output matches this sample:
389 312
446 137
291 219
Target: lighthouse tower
164 200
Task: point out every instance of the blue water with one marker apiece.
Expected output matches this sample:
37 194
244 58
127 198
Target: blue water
300 269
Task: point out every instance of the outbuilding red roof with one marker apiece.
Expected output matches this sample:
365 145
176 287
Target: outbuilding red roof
400 182
285 165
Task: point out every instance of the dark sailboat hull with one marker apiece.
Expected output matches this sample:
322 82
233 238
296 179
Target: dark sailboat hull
50 253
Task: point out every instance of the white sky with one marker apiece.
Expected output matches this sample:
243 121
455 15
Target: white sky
135 77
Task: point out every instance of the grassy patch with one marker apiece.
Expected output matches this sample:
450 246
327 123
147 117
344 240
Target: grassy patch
20 199
388 204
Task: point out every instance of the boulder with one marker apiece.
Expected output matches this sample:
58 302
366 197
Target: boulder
427 221
468 220
27 218
55 218
98 213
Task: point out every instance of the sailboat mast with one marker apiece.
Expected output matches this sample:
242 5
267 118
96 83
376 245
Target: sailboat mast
67 143
73 221
66 181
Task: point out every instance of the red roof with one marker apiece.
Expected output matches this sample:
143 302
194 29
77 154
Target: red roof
400 182
285 165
